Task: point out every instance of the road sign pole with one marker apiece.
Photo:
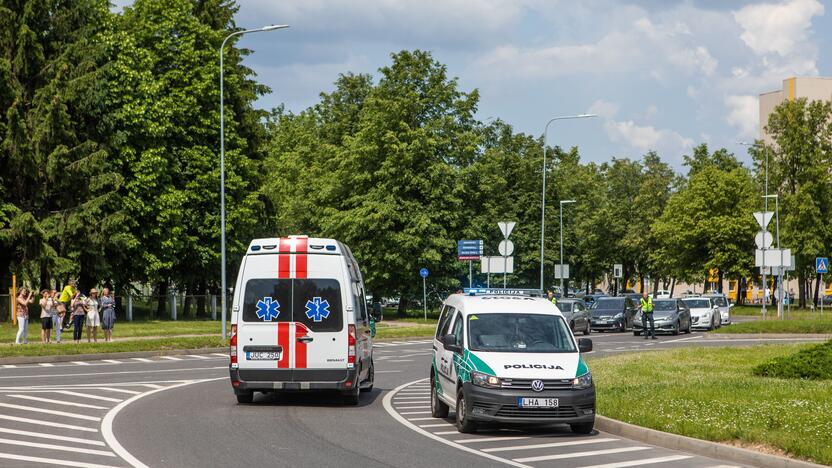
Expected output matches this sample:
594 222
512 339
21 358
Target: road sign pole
822 285
505 270
470 273
425 296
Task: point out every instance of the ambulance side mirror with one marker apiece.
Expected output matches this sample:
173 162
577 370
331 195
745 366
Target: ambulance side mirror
584 345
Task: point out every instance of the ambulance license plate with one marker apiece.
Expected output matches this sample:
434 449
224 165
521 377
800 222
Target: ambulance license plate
263 355
537 402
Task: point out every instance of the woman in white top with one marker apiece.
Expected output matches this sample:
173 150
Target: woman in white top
93 316
45 318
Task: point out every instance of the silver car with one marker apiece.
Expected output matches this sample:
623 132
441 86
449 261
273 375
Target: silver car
704 313
576 314
724 307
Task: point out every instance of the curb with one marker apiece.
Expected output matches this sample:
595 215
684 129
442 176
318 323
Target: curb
736 336
699 447
100 356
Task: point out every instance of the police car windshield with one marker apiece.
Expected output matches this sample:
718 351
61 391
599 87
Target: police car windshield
519 333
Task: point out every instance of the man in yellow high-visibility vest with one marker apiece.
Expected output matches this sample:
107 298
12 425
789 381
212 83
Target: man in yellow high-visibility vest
647 314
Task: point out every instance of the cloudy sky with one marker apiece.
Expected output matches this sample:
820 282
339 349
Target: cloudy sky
662 75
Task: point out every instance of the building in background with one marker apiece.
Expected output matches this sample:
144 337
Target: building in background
813 89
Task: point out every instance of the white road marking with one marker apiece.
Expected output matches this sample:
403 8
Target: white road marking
415 407
682 339
63 448
377 372
490 439
388 406
52 436
400 360
549 445
170 358
107 422
580 454
51 461
80 363
198 356
92 397
9 366
154 386
423 397
122 390
112 361
648 461
220 355
111 373
141 359
416 412
57 413
436 425
58 402
40 422
46 364
422 419
445 433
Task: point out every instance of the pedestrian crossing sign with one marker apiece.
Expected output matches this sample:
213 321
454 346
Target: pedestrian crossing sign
822 265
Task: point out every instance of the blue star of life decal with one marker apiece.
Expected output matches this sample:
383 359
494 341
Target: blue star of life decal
317 309
268 309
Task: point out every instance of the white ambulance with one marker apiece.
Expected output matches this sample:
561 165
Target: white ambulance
504 356
299 320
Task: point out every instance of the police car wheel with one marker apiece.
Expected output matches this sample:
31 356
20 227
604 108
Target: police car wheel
582 428
245 398
438 408
463 423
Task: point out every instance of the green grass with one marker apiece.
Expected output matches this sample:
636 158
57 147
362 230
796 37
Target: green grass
124 329
712 394
810 363
756 311
418 331
156 344
803 323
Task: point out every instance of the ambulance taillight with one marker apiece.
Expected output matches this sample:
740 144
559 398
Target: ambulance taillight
233 346
351 342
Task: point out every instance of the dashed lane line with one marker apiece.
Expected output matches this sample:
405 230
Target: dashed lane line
43 435
40 422
50 461
48 411
80 363
647 461
140 359
46 364
591 453
171 358
53 401
550 445
62 448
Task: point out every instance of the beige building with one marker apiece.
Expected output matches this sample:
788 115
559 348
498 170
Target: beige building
816 88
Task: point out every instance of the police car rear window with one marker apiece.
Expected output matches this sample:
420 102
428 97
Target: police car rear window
315 303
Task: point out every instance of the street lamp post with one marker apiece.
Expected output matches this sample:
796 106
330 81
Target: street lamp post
562 202
222 164
543 191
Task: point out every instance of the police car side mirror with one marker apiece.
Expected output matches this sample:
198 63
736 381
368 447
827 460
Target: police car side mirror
584 345
450 343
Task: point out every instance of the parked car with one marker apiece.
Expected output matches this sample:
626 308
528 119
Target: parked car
669 316
662 294
703 312
612 313
590 298
724 307
576 315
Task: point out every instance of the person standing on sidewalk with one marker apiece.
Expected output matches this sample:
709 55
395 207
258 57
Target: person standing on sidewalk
647 314
24 298
93 315
45 318
56 314
78 308
108 313
67 295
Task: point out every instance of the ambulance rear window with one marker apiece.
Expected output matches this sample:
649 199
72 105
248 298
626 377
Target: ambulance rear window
315 303
268 300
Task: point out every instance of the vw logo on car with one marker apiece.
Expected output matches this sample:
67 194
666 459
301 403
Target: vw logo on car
537 385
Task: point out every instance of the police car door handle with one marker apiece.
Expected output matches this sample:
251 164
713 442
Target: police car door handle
305 339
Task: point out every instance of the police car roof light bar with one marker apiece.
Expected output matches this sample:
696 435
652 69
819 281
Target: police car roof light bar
501 292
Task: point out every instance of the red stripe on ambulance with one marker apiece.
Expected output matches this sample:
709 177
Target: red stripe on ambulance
301 259
283 341
300 346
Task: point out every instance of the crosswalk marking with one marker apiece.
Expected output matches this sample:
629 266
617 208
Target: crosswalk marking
171 358
425 397
51 461
63 448
9 366
92 397
648 461
46 364
445 432
436 425
592 453
422 419
57 402
153 386
47 423
549 445
80 363
141 359
122 390
415 407
111 361
42 435
57 413
490 439
416 412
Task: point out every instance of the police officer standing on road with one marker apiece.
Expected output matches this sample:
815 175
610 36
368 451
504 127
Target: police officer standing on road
647 314
551 296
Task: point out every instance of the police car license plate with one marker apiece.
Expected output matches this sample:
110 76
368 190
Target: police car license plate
537 402
263 355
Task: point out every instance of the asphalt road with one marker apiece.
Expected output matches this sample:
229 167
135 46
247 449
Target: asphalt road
179 411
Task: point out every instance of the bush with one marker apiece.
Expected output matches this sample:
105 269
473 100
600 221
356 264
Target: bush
813 363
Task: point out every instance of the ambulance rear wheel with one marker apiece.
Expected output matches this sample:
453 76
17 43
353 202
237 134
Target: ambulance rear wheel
354 397
245 398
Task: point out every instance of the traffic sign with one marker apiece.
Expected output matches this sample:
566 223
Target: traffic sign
506 248
562 271
423 272
497 265
763 218
506 227
821 265
469 249
773 258
618 270
763 239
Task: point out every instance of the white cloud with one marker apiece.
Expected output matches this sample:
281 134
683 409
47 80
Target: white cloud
743 113
646 137
780 28
604 109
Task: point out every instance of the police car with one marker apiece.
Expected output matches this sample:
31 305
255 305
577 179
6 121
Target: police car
299 320
508 357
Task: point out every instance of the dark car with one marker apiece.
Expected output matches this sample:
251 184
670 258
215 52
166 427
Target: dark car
612 313
590 298
669 316
576 315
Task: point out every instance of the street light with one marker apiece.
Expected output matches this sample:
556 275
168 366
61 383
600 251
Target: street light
543 191
756 144
562 202
271 27
780 275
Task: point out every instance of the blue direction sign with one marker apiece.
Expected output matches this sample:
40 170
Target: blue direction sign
469 249
423 272
822 265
